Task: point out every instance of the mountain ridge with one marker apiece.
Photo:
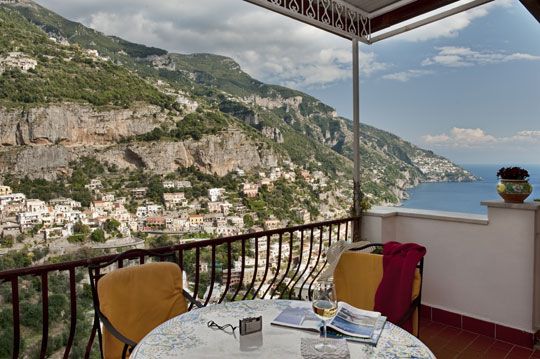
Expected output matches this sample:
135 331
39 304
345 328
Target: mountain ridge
285 124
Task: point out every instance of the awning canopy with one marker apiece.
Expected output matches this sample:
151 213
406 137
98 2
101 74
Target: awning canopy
361 19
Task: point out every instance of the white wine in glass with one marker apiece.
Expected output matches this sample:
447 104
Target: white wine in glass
325 307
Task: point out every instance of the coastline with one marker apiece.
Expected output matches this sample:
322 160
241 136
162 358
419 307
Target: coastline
464 196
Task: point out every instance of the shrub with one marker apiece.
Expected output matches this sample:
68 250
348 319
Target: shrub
98 235
76 238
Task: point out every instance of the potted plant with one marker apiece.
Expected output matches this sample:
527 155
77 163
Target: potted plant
513 186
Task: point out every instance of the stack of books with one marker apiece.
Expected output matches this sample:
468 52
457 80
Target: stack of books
350 323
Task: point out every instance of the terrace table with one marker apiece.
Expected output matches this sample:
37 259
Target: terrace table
188 335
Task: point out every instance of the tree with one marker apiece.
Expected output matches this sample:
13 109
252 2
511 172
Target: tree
76 238
36 229
58 304
160 241
248 221
80 228
31 314
6 333
111 225
155 189
7 241
15 259
98 235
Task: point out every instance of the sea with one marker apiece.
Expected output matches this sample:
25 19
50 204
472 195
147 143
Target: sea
466 196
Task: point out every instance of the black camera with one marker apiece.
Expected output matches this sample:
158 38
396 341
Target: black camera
250 325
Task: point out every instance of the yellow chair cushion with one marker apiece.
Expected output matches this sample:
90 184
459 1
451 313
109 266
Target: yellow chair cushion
137 299
357 277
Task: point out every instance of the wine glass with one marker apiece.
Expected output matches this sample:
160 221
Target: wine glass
325 307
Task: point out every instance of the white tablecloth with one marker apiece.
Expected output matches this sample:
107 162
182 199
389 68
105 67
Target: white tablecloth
189 336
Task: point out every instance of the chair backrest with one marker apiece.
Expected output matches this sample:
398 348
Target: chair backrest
137 299
357 277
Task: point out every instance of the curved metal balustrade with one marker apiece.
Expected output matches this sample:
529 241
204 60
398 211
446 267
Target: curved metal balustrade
281 263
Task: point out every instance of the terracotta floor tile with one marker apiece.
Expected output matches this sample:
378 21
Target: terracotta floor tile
433 330
432 341
448 342
502 345
450 331
481 344
469 354
496 353
462 340
424 323
436 326
448 334
520 353
446 354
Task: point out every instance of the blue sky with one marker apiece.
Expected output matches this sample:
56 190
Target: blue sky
500 98
467 87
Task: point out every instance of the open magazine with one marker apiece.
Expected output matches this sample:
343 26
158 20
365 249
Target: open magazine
349 323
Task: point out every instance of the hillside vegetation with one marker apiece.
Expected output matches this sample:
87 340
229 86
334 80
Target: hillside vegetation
65 73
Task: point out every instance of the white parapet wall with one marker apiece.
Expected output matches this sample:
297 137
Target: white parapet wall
485 267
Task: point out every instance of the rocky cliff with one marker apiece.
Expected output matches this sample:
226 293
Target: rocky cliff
42 141
75 124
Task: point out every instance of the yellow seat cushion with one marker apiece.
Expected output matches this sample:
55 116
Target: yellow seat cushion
357 277
137 299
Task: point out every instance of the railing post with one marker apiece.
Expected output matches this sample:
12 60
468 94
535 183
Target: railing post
16 316
357 205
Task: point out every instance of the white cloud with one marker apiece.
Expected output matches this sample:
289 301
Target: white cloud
405 76
268 46
437 139
527 136
477 137
463 56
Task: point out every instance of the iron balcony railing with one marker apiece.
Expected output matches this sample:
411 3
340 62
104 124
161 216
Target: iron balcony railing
57 314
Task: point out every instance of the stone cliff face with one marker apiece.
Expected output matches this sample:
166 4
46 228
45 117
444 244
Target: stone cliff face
215 154
41 142
75 125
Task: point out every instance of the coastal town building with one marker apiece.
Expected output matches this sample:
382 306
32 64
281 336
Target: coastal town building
155 222
35 206
176 184
271 224
17 60
196 219
12 198
94 185
214 194
250 190
174 200
139 193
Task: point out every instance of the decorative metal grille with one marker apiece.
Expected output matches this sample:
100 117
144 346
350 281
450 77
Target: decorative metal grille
335 16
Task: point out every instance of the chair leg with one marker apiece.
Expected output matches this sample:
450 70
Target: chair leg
124 352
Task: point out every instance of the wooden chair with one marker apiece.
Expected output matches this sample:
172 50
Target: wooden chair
357 277
132 301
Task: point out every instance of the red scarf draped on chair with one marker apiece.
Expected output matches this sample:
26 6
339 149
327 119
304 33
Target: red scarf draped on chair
393 297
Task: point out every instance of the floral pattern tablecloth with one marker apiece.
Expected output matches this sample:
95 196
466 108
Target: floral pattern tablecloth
189 336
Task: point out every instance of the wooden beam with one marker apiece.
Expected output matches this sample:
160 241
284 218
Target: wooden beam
533 6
